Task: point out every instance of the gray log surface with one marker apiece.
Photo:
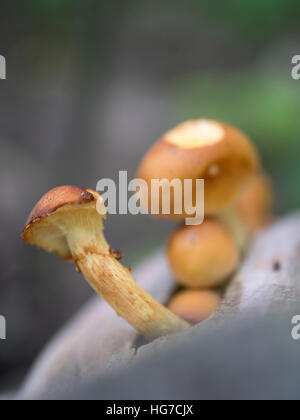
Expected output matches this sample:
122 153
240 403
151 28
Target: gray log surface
97 342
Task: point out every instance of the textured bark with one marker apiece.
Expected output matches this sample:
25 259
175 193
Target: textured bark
270 276
97 341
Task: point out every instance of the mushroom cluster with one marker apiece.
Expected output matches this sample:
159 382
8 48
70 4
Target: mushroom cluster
68 221
237 204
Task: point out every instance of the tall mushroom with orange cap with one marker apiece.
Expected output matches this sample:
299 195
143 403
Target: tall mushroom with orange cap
66 221
214 151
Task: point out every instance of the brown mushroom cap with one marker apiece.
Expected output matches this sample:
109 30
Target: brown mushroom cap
203 149
254 205
47 227
202 256
194 305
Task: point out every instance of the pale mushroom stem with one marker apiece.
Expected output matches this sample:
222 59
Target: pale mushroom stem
116 285
234 224
118 288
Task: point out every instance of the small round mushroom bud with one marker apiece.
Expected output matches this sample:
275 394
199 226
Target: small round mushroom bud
202 256
201 149
254 205
68 222
195 305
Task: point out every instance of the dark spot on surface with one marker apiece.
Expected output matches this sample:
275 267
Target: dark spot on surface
276 266
118 255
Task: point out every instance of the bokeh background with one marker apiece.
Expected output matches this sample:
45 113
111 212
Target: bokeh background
91 85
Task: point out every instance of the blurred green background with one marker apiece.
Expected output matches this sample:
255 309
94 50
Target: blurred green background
91 85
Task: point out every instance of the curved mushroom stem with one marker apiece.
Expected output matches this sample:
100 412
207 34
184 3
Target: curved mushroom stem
235 225
116 285
118 288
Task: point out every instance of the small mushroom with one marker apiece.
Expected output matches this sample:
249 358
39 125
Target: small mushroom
66 221
195 305
202 256
255 203
202 149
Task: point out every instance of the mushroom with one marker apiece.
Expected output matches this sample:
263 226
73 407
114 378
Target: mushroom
194 305
202 149
68 222
254 205
214 151
202 256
